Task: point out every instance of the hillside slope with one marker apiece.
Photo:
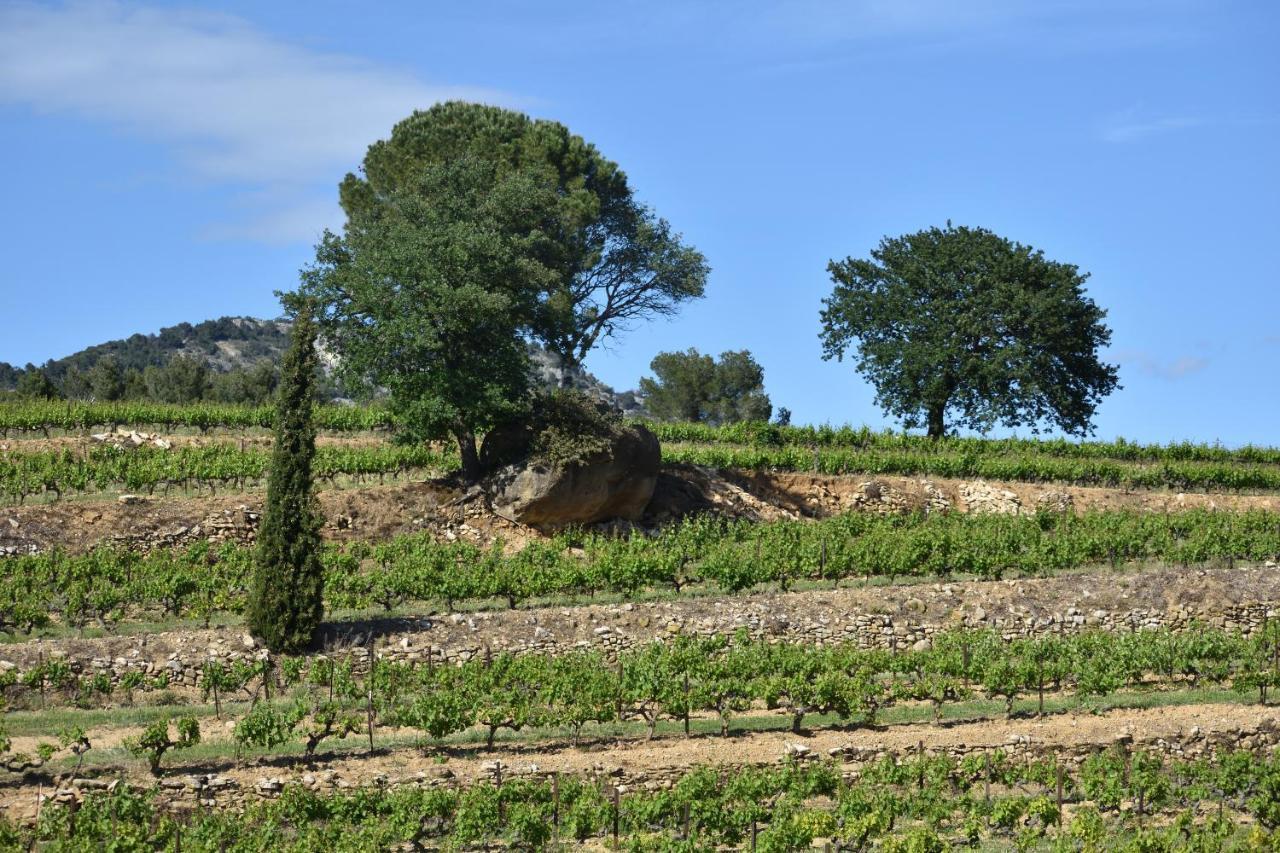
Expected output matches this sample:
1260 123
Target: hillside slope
226 343
235 343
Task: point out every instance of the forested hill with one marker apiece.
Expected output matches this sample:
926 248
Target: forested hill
226 343
230 344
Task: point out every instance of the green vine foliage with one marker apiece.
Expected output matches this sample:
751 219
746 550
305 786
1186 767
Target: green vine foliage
930 803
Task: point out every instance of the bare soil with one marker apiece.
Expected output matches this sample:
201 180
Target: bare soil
624 759
380 512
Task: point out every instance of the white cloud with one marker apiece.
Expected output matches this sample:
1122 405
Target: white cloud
237 106
1131 126
1104 23
1178 368
291 219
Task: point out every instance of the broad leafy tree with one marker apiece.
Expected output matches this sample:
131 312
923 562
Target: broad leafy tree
615 261
958 326
690 386
425 292
285 604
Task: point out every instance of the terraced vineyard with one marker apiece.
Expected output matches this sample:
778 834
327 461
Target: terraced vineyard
1093 672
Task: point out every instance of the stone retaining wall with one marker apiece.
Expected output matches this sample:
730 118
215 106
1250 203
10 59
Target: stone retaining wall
903 617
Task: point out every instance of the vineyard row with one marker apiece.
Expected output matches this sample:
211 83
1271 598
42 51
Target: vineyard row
146 468
1027 467
68 470
39 415
1118 800
44 415
309 700
111 584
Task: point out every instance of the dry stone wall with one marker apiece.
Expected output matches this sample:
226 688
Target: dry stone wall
1240 599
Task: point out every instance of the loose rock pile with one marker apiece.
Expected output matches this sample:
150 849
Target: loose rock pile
129 439
881 498
878 497
1057 502
229 525
980 497
12 541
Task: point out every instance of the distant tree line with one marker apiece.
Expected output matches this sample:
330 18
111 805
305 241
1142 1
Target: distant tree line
228 360
183 379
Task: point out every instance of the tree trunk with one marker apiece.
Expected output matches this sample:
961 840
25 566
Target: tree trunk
937 426
470 457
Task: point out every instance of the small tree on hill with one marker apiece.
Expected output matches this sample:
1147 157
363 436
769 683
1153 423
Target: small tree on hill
35 384
105 379
960 326
184 379
285 605
689 386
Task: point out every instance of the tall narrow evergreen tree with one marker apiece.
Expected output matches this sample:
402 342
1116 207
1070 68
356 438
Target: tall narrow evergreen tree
285 608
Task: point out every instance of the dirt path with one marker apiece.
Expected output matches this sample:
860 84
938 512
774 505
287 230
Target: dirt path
1187 730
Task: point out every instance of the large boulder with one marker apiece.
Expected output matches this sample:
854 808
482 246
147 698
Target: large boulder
614 482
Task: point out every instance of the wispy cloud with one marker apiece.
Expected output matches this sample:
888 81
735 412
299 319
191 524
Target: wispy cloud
236 106
1170 370
1132 125
1107 23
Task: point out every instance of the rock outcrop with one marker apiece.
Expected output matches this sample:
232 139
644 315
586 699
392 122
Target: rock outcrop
617 482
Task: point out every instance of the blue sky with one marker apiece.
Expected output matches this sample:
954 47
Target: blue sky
168 162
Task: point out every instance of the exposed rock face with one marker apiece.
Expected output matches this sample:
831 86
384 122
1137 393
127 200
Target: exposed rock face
685 490
615 483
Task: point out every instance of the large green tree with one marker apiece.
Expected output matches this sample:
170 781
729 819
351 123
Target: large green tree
690 386
615 261
958 326
285 604
424 295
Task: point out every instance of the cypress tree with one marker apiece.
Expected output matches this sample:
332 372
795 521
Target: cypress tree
285 607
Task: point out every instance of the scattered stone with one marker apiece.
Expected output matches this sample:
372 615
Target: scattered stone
980 497
1055 501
